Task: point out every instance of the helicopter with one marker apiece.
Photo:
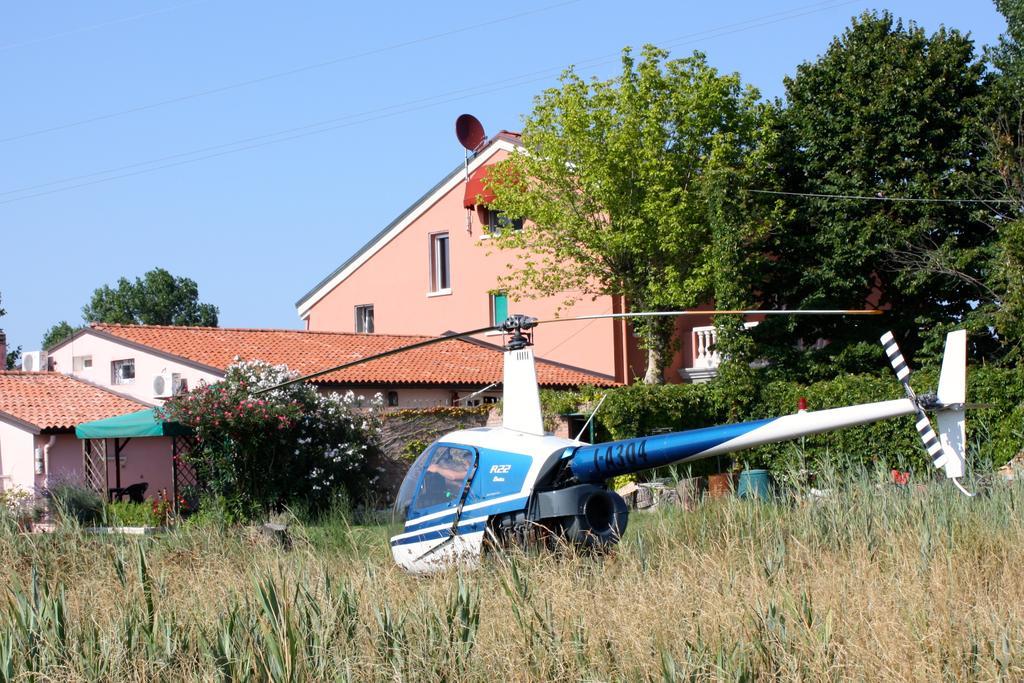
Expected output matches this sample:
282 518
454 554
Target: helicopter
516 484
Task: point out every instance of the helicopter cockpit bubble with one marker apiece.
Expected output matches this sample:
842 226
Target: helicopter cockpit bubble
434 482
412 477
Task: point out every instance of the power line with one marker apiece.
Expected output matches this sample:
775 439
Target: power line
883 198
385 112
311 129
93 27
279 74
708 33
366 119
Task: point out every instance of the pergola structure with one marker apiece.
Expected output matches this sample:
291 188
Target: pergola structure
122 429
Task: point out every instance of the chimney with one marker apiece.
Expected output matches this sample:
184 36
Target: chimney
3 350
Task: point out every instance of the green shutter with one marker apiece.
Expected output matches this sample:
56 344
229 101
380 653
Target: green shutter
499 308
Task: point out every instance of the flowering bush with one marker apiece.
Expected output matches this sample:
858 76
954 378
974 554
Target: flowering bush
19 504
162 508
293 445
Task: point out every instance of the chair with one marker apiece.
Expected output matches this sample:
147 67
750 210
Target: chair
136 492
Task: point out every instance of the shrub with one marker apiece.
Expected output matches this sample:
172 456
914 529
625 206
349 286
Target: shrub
130 514
21 505
641 409
72 501
995 434
261 452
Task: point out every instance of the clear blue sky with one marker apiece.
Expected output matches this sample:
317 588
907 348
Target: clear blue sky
258 228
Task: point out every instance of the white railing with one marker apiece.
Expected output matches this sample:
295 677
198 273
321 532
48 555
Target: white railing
706 357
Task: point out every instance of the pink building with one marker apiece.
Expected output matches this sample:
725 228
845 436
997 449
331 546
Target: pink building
38 447
112 370
105 371
432 270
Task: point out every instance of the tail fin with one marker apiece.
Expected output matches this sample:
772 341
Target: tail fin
953 379
952 395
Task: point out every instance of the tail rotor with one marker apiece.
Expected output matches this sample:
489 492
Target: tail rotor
898 362
947 449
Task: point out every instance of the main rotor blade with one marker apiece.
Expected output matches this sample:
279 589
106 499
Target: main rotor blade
654 314
500 328
383 354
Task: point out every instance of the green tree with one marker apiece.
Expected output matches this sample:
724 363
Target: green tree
57 333
157 298
1005 162
623 183
10 361
886 112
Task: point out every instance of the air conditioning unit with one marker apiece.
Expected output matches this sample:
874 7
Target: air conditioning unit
34 361
162 384
168 384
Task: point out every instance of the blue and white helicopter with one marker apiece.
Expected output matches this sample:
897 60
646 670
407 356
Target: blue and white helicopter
516 484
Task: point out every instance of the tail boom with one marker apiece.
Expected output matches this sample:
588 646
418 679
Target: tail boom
602 461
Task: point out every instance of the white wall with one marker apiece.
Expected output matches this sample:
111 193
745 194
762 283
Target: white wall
16 467
105 351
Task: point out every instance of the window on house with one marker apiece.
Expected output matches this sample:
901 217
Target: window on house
488 400
364 318
392 398
499 307
440 264
122 371
79 363
499 220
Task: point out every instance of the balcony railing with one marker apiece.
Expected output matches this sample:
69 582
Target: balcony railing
706 358
705 355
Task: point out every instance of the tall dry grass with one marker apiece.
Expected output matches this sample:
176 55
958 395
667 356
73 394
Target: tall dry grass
872 584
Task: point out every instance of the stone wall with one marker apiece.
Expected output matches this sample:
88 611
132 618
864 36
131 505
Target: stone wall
405 433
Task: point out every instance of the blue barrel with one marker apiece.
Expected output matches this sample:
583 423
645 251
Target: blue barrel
754 484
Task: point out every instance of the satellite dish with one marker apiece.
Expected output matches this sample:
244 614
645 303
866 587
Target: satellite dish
470 132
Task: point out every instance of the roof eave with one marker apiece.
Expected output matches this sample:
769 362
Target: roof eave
18 422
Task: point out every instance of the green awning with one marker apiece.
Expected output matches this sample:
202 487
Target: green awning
142 423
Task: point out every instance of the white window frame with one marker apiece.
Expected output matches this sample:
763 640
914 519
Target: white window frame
117 377
80 363
436 261
360 318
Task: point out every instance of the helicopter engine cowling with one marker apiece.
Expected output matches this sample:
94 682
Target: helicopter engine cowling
587 516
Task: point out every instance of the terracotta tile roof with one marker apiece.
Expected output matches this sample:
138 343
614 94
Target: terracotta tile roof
51 400
451 362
